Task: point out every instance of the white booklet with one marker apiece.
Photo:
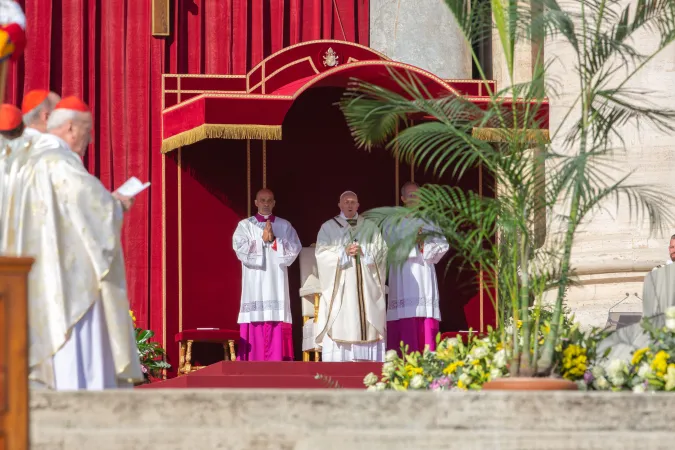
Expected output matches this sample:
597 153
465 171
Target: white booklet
132 187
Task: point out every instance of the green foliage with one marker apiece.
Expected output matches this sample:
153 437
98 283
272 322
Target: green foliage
524 233
151 354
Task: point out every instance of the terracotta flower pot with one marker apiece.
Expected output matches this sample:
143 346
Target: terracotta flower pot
530 384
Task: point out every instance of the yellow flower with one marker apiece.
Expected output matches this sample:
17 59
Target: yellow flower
660 362
461 385
639 355
499 346
546 329
411 370
475 362
574 362
133 317
519 324
452 368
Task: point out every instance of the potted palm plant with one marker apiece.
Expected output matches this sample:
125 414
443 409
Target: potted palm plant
546 182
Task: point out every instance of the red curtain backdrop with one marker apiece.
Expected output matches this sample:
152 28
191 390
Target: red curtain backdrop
103 51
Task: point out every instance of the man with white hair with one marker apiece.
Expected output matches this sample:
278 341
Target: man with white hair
351 258
413 312
81 335
36 107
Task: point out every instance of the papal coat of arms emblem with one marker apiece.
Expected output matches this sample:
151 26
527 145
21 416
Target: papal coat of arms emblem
330 58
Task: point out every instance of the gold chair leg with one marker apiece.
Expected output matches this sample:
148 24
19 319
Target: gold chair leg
181 358
305 356
188 358
233 353
316 356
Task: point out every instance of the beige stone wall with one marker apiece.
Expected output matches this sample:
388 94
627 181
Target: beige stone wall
234 419
422 33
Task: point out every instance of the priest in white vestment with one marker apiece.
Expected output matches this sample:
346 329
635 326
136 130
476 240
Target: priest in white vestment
12 143
266 245
18 142
413 312
81 335
351 258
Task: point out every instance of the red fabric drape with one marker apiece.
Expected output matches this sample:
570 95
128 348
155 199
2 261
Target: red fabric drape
103 51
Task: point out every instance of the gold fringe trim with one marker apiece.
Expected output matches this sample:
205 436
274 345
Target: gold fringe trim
505 135
216 131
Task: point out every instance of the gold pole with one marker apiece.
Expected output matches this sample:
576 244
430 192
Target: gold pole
264 163
480 276
396 169
3 79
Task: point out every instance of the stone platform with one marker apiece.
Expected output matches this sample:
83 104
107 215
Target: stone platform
349 419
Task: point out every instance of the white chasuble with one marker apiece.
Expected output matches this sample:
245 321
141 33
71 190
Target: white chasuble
13 154
264 269
64 217
352 311
413 287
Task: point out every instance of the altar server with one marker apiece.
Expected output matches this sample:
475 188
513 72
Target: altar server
266 245
351 258
81 335
413 313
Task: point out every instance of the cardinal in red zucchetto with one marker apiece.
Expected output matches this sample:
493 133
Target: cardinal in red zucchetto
81 335
11 128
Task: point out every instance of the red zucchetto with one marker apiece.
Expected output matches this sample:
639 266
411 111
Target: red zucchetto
72 103
33 99
10 117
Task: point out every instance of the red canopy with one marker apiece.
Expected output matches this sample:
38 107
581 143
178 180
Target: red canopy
253 106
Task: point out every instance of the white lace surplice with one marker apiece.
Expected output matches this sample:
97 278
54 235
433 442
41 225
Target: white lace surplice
264 280
413 287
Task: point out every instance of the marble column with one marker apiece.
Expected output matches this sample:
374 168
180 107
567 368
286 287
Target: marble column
422 33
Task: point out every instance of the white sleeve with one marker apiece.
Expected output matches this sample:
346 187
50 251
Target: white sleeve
288 247
250 251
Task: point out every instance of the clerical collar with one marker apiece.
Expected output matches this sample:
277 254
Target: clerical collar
260 218
356 216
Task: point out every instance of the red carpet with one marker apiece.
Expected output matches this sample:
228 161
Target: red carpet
284 375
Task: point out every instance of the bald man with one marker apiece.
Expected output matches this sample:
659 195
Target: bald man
351 258
266 245
414 312
81 335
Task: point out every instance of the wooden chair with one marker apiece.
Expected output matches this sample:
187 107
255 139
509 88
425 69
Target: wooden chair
310 294
187 338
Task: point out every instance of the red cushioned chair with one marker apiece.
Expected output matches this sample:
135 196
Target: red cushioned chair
185 339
